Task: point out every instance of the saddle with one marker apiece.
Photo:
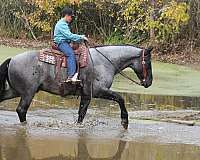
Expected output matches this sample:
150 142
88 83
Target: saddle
55 57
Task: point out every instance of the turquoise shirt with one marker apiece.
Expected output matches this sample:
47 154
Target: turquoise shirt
62 33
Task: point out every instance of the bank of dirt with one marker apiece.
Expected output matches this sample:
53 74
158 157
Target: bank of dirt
27 43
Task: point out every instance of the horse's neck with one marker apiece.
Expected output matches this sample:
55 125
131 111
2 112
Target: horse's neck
120 56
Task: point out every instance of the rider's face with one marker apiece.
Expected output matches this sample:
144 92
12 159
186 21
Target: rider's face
68 18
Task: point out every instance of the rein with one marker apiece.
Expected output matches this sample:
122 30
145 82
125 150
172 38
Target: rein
123 73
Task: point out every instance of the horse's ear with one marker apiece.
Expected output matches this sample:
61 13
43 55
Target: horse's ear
148 50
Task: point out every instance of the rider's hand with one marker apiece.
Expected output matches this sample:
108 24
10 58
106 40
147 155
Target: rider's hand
85 38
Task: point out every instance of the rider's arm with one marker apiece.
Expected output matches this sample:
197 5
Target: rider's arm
64 29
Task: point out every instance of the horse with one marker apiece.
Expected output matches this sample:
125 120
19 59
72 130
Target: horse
24 75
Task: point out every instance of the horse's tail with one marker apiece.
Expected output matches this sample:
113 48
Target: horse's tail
4 75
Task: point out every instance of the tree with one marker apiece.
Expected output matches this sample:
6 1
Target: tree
132 20
147 18
194 22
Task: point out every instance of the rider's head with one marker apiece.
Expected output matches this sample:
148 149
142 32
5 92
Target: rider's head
67 14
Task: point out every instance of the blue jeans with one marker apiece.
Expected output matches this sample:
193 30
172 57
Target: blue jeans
69 53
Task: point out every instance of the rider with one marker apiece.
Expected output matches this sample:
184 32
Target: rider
63 37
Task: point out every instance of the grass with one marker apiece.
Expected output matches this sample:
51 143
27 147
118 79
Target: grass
7 52
169 79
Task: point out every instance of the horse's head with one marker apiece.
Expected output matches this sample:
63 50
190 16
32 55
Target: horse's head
142 67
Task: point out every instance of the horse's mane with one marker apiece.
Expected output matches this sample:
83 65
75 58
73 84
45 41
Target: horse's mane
149 49
97 46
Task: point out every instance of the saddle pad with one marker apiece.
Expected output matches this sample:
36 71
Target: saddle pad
54 57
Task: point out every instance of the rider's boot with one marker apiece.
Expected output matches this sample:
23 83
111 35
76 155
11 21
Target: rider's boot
73 79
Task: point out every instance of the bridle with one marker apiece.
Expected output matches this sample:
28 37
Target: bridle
124 74
144 70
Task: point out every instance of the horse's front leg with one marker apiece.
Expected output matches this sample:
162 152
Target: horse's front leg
85 101
111 95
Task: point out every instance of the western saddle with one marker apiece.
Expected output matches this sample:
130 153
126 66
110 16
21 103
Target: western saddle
55 57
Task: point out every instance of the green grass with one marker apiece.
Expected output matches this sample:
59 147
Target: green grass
6 52
169 79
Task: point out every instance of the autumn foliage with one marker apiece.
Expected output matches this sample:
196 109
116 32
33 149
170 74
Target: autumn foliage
109 20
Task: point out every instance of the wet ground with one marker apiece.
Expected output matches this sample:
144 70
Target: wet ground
52 133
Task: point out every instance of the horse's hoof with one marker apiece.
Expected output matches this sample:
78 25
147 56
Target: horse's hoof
80 120
79 124
125 123
24 123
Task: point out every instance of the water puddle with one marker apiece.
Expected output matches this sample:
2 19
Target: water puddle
19 145
52 133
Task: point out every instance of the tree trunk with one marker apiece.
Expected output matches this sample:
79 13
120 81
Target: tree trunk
152 17
194 22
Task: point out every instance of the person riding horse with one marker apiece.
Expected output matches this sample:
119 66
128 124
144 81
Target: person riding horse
63 37
17 79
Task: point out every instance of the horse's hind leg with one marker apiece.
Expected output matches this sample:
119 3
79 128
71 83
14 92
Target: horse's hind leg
23 106
85 101
111 95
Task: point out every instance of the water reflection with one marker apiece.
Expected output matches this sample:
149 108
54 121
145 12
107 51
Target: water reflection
14 146
19 145
133 102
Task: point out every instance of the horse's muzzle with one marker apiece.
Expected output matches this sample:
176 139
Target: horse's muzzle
146 84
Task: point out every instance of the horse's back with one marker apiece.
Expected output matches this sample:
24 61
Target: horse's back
24 68
24 63
28 57
27 69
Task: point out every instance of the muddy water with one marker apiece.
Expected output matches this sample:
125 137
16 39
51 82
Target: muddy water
17 145
51 132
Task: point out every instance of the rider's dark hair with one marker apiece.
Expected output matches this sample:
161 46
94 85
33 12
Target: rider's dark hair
67 11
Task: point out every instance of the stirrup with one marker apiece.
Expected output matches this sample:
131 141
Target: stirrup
73 79
68 80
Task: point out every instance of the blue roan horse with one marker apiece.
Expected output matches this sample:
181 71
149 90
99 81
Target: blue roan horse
24 75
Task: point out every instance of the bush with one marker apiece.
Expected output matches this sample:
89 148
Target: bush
111 20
